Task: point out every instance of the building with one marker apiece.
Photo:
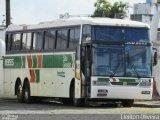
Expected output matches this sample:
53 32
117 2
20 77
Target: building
144 12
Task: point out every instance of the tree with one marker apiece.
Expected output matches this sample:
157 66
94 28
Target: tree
106 9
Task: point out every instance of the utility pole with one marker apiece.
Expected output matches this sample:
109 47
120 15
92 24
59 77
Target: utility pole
8 15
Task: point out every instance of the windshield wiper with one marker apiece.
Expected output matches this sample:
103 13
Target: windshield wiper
132 65
110 72
115 71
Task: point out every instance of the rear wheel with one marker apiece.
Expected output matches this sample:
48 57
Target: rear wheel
127 103
19 94
27 97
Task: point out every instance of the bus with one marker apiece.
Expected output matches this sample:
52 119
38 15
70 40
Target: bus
78 60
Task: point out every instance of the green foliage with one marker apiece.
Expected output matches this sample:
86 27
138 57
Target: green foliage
106 9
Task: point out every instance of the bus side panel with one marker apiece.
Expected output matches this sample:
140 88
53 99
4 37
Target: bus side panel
2 77
7 80
62 82
45 85
53 78
13 69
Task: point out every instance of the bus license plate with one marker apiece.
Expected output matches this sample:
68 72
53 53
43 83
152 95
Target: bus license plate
102 92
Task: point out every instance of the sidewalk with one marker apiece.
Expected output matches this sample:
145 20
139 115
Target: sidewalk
149 104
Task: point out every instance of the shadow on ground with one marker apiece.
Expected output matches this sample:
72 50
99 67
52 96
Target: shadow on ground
45 105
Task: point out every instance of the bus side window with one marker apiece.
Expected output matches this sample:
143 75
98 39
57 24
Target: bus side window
86 32
11 41
16 43
74 38
7 42
50 37
38 40
62 39
26 41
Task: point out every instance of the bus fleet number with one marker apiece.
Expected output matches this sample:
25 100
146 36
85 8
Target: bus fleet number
9 62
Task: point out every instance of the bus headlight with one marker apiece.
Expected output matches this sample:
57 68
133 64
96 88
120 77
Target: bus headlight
146 92
145 84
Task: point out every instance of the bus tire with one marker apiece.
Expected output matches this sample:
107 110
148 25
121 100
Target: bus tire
19 93
79 102
127 103
27 97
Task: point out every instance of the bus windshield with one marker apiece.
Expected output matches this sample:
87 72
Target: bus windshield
130 61
108 60
130 34
138 61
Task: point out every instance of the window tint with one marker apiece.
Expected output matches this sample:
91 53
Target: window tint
16 43
62 39
74 37
86 32
50 37
158 35
8 42
38 41
26 41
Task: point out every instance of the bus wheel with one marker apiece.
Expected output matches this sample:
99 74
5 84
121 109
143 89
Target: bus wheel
27 97
127 103
79 102
19 93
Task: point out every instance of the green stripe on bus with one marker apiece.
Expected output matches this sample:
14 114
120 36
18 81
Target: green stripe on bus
34 59
23 59
132 80
37 76
127 80
103 79
49 61
14 62
57 61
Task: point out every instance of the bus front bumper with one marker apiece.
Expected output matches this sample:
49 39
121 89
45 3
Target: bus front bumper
121 92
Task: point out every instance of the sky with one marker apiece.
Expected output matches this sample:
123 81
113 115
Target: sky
35 11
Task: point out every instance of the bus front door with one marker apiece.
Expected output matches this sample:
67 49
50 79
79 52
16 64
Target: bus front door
86 68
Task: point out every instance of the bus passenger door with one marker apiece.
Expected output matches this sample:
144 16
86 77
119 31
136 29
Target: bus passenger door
86 69
78 78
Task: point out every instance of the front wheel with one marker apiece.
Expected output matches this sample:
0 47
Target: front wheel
127 103
79 102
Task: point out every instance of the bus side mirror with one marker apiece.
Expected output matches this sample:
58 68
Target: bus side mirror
155 57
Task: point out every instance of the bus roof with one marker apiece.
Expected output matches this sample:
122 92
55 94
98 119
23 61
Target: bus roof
79 21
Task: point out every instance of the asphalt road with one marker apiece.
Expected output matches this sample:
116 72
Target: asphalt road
12 110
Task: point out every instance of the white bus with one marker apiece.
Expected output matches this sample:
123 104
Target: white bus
79 60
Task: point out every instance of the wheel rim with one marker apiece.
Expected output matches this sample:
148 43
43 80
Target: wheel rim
19 92
26 94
